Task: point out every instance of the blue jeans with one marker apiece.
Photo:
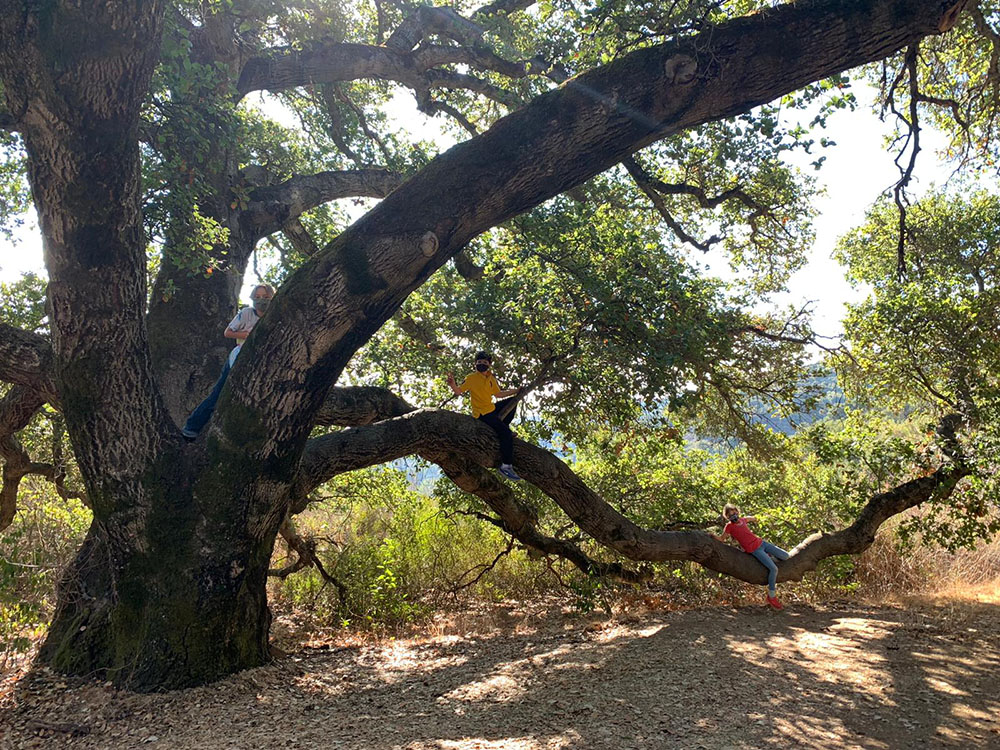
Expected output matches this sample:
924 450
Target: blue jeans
764 553
502 428
203 412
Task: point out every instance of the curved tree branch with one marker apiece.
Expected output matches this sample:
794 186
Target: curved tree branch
273 206
26 359
361 405
299 236
699 194
655 189
463 446
17 408
356 406
399 59
427 20
645 185
520 521
288 68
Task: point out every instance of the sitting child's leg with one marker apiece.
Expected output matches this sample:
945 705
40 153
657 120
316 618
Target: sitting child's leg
504 434
197 420
774 551
502 405
772 569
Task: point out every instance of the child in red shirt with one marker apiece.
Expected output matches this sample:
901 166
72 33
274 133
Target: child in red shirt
752 544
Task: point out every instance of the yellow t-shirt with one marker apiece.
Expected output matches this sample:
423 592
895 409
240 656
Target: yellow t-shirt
483 387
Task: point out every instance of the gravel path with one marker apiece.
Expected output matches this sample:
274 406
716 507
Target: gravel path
844 675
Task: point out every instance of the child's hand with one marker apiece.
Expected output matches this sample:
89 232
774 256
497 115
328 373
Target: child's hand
451 380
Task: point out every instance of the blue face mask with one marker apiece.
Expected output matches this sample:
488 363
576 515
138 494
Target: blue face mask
734 519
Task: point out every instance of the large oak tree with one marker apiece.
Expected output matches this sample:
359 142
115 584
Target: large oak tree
168 589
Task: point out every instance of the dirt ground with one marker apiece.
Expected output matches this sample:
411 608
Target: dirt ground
842 675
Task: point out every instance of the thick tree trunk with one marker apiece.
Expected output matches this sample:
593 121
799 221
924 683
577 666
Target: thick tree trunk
167 597
168 589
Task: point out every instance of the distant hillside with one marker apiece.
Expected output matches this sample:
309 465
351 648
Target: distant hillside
830 402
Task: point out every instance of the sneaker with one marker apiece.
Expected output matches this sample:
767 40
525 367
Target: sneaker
508 471
773 601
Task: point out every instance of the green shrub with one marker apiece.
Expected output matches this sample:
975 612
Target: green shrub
46 532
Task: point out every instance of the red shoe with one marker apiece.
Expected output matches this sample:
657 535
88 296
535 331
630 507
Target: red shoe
773 601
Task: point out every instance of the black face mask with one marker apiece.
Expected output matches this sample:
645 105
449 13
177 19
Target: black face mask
482 367
734 519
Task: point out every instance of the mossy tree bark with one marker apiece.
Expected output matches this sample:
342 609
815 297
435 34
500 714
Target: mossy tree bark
168 589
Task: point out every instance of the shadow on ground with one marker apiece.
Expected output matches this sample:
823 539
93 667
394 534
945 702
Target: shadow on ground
840 676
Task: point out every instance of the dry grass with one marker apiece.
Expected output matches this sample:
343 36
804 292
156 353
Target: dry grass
884 573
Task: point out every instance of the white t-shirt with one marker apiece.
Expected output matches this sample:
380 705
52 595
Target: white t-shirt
245 320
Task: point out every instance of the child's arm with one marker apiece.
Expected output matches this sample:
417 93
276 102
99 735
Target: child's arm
750 519
232 332
718 538
455 387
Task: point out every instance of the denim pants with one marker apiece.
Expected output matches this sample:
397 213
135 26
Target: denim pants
764 553
197 420
502 428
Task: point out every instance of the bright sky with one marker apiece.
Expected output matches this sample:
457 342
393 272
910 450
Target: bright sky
856 171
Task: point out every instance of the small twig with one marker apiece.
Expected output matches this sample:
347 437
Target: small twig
485 568
911 142
305 549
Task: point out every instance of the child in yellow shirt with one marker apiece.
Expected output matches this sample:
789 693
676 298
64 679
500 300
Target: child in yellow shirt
482 386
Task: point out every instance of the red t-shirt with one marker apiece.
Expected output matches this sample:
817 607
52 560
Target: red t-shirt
742 534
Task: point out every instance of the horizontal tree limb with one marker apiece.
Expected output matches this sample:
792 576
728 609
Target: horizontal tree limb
26 359
395 60
286 68
435 433
364 405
